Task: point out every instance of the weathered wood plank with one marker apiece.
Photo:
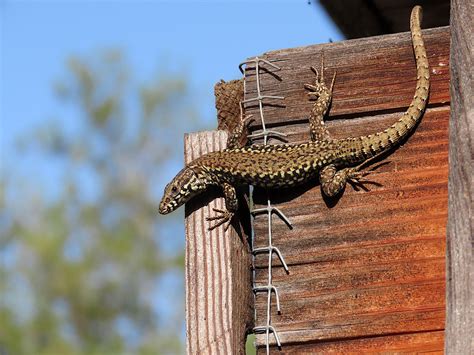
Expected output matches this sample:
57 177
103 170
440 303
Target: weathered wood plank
374 75
423 342
370 266
219 301
460 236
373 264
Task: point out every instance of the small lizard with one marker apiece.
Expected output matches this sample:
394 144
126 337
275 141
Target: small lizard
334 161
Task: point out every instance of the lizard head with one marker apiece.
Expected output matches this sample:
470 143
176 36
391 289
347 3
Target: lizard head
181 189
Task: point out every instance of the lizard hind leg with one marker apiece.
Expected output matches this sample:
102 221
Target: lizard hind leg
334 181
322 96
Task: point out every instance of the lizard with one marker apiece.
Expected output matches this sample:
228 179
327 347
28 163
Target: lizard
334 161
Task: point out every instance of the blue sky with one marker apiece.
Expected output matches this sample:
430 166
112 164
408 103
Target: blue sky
205 39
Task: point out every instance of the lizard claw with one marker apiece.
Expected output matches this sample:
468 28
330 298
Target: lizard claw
356 175
223 216
319 86
355 178
314 90
315 71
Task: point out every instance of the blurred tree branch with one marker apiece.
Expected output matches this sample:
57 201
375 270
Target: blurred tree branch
84 270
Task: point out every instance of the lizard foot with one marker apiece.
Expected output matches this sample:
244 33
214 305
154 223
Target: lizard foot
356 179
319 87
223 216
356 175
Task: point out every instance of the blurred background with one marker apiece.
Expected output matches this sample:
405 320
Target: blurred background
95 97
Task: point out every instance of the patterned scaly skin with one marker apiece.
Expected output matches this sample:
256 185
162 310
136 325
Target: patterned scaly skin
334 161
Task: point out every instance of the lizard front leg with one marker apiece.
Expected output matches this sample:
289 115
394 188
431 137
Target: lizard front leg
233 141
231 204
323 95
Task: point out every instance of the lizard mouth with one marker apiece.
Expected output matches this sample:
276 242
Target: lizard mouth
164 209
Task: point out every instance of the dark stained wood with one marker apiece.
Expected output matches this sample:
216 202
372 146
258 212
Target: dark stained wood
460 239
423 342
395 13
219 299
367 271
369 20
374 264
377 17
374 75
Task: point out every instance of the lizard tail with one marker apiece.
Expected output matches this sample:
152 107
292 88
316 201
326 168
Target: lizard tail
377 143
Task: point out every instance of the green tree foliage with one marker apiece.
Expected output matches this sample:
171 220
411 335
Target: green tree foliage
81 270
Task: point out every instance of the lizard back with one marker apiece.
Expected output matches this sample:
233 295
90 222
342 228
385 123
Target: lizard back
287 165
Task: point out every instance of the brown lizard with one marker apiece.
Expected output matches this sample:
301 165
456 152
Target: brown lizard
334 161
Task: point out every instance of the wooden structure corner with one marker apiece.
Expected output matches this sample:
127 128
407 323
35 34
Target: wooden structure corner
219 301
368 271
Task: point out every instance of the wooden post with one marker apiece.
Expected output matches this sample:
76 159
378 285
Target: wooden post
460 240
218 269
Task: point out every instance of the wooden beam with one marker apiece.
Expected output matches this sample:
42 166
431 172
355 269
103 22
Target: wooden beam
369 22
460 237
219 301
374 75
372 264
379 17
367 271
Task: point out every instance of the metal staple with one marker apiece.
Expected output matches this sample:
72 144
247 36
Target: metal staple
269 288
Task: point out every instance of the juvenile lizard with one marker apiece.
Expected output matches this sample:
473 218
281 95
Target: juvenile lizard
335 161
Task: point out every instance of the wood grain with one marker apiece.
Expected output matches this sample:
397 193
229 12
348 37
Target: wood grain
218 270
374 263
423 342
460 241
367 271
374 75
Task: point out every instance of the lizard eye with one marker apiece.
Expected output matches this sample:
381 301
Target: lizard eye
174 189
